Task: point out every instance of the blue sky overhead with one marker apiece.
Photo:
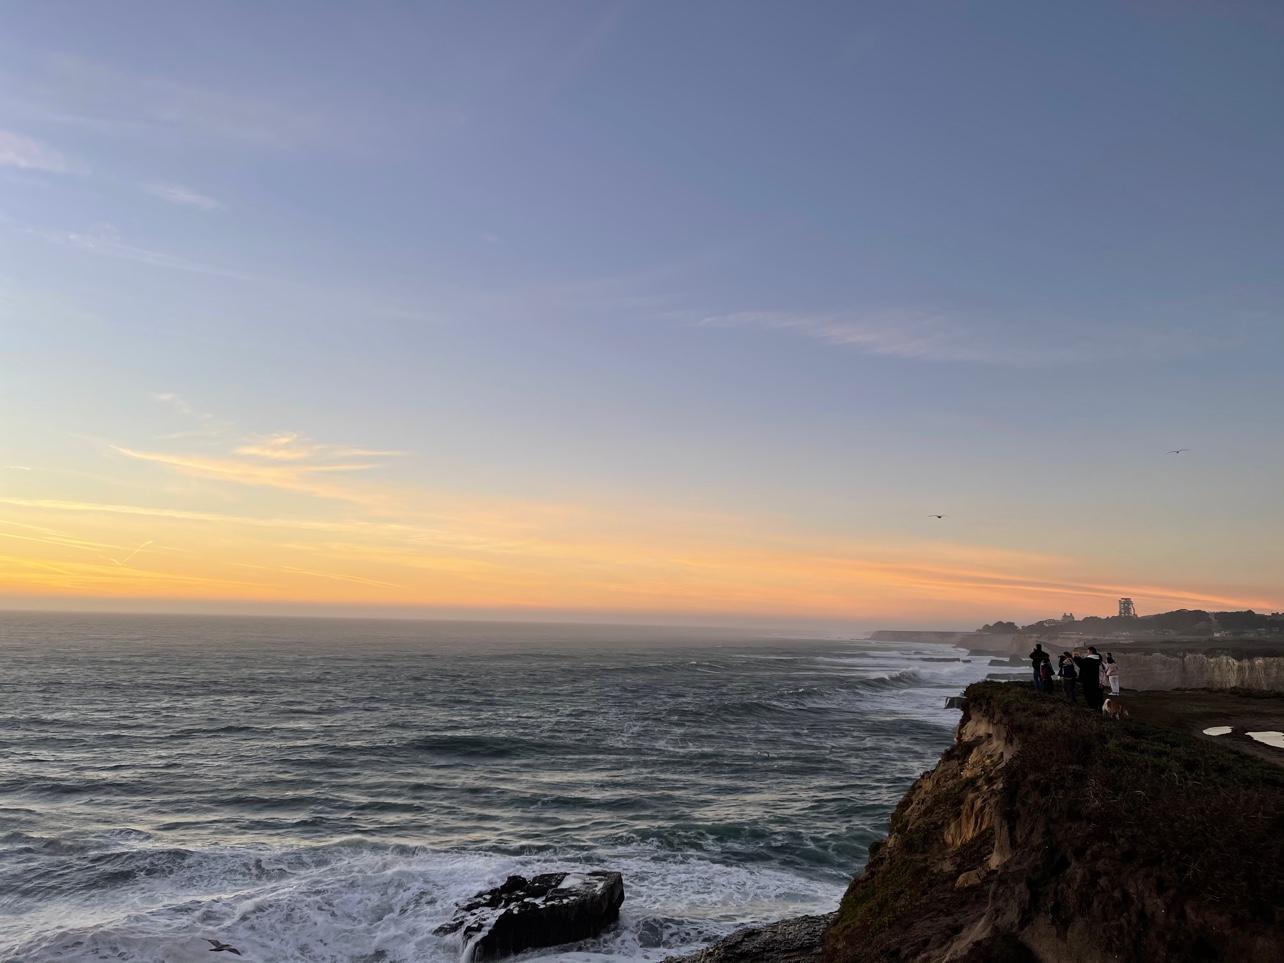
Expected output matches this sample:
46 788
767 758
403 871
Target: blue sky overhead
681 309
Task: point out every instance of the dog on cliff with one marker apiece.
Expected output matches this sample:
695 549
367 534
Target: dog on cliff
1114 709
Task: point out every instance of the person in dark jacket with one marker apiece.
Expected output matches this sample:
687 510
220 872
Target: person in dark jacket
1045 674
1089 666
1037 658
1065 669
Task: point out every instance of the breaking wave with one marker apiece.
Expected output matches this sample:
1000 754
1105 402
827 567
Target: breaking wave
352 900
328 798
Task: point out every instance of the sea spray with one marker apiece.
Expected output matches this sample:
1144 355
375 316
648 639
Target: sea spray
328 791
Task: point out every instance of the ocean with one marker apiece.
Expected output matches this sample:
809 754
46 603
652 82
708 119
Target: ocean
327 790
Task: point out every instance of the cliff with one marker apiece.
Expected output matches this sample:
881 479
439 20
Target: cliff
1050 833
1201 670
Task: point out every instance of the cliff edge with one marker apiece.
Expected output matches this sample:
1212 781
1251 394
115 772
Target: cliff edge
1050 833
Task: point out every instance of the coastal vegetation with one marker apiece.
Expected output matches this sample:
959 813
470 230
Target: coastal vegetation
1184 623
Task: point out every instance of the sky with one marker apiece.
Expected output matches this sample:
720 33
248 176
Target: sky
658 311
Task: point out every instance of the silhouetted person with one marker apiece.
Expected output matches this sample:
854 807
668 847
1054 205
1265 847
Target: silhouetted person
1089 667
1037 657
1065 669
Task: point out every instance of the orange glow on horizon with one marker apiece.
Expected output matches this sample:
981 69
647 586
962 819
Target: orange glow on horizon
476 558
282 519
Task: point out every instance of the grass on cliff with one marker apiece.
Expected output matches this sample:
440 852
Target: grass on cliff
1121 754
1201 814
1112 799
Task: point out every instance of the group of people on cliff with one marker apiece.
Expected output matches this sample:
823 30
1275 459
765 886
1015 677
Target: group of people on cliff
1084 669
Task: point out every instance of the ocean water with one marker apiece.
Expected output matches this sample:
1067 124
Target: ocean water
327 790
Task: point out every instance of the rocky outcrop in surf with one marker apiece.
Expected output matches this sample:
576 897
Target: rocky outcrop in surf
546 910
796 940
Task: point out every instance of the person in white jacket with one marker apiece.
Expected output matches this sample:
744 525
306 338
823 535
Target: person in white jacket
1111 670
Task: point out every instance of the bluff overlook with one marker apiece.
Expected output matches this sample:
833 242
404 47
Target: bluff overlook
1047 833
1182 649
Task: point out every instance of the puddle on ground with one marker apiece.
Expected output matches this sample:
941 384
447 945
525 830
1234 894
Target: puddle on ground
1268 738
1217 730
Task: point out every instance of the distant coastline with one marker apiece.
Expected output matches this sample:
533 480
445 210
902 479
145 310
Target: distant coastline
1185 648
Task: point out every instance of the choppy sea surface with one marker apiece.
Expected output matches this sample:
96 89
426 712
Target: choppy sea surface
327 790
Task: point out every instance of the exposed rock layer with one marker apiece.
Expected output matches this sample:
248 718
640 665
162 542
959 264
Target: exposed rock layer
1197 670
1048 833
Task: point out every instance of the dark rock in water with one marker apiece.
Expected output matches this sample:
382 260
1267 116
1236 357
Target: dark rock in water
796 940
955 702
545 910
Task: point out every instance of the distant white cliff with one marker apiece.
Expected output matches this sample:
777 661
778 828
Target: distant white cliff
1198 671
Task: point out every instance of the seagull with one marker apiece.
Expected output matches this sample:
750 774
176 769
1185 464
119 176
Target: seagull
935 516
218 946
1177 451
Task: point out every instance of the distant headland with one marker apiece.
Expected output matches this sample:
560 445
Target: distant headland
1184 648
1184 624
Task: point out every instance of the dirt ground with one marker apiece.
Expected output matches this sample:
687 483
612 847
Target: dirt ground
1194 710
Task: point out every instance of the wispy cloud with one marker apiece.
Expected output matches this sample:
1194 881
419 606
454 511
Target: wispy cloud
172 400
122 580
931 338
338 577
946 339
300 478
77 91
184 196
451 563
26 153
206 425
285 460
105 240
375 543
290 446
176 514
60 539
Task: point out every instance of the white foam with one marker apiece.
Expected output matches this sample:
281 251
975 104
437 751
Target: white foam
351 901
1218 730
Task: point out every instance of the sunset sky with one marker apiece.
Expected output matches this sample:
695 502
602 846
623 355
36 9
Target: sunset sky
648 311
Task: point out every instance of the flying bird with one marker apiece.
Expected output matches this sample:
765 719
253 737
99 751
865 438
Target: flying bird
1177 451
218 946
935 516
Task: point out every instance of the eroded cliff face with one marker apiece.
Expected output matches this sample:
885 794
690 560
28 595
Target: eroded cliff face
1199 671
1047 833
